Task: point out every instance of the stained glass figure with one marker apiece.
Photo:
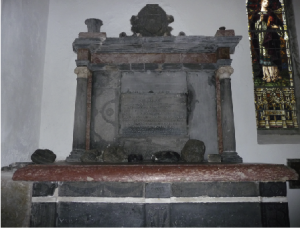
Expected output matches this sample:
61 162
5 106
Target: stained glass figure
272 65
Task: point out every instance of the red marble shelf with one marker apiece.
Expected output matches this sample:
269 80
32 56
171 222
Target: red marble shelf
157 173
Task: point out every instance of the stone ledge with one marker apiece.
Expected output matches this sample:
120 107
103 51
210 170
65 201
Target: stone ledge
157 172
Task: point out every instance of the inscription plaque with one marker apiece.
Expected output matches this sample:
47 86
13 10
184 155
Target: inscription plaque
152 114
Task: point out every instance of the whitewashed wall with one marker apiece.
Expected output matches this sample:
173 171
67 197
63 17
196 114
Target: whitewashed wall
24 32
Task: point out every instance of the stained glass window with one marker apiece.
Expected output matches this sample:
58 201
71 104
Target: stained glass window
275 101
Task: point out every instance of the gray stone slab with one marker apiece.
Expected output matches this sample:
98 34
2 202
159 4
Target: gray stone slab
151 67
76 189
216 189
270 189
171 66
192 66
147 146
43 215
43 188
101 189
202 117
157 190
165 44
275 215
72 214
151 114
157 215
106 79
117 189
80 114
216 215
214 158
105 108
155 82
137 67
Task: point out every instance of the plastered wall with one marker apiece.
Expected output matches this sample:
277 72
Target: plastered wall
23 33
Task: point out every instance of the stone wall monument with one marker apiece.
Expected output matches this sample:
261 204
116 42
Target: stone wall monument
153 91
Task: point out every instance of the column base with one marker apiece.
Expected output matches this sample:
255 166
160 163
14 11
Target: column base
231 157
75 155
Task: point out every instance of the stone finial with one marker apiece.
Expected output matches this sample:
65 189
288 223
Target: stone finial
93 25
123 34
224 72
152 21
82 72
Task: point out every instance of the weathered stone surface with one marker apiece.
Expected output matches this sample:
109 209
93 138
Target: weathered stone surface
151 114
43 188
83 54
114 154
202 97
270 189
15 201
114 58
100 35
124 189
216 215
105 108
154 82
223 53
100 215
158 190
193 151
75 155
101 189
275 215
76 189
158 173
43 215
150 145
14 166
225 33
93 25
43 156
135 158
231 157
214 158
176 44
152 20
216 189
165 156
294 164
94 155
157 215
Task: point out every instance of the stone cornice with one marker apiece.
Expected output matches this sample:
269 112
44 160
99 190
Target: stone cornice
168 44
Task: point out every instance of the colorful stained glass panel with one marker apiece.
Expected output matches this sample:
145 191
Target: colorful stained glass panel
272 65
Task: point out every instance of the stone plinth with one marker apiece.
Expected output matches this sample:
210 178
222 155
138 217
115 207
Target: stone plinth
157 173
151 195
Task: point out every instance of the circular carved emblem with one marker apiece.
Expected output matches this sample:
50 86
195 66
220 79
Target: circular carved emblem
152 21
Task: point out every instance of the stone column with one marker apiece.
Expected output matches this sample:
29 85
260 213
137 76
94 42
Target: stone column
229 153
79 132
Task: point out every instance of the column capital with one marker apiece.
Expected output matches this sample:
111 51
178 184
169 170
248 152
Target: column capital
82 72
224 72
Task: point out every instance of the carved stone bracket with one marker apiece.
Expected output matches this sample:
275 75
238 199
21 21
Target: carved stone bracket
224 72
82 72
